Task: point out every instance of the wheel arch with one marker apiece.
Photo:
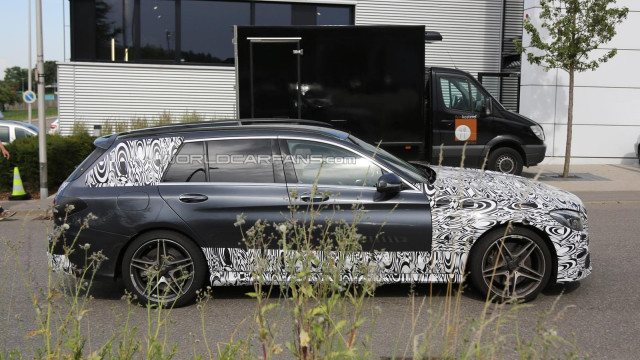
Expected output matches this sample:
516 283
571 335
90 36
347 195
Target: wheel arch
505 141
118 269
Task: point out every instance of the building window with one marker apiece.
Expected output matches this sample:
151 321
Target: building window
272 14
113 23
158 30
334 15
207 29
181 31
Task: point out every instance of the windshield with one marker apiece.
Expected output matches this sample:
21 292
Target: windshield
379 153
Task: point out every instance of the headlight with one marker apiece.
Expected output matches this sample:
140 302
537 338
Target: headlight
568 218
537 130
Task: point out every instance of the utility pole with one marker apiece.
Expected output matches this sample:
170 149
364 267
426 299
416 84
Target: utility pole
42 141
30 64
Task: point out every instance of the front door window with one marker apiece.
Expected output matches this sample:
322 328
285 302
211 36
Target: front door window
330 165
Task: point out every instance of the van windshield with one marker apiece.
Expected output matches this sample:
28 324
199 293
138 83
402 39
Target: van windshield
376 152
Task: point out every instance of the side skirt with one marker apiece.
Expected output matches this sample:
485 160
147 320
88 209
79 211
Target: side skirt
235 266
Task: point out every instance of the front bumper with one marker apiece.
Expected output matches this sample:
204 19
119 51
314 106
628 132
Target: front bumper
574 257
534 154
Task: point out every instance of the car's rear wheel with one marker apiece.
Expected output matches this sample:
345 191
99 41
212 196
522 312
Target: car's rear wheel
512 266
505 160
163 267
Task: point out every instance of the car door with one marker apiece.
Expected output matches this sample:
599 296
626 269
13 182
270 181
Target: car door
212 185
346 190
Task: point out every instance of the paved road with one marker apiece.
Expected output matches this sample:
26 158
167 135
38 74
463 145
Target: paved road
602 311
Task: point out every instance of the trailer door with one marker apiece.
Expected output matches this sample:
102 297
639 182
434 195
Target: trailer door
274 70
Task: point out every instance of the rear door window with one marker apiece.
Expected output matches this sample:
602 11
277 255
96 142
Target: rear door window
188 165
240 160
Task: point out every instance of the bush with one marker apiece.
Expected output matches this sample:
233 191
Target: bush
63 155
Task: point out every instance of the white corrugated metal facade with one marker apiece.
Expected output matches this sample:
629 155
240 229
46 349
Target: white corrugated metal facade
93 93
96 93
471 29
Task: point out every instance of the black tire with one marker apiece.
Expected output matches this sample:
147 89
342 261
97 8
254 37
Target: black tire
524 256
163 267
505 160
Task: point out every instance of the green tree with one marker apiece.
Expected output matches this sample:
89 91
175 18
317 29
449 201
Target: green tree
16 77
574 29
7 95
50 72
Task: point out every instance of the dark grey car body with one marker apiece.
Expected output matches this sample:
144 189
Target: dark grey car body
174 179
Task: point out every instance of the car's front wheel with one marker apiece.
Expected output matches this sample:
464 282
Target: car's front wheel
505 160
512 266
163 267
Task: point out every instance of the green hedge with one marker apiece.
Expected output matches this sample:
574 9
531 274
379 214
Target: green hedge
63 155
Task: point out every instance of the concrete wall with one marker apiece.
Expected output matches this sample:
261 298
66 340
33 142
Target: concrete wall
606 120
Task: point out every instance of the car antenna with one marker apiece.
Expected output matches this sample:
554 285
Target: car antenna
453 62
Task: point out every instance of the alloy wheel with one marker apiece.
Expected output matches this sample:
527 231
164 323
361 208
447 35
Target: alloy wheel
161 269
514 267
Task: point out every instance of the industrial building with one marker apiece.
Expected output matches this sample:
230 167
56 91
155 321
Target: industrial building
143 59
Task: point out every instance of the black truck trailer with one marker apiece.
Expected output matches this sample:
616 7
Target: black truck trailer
372 82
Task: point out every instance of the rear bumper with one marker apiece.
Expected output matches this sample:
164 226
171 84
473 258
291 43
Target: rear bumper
97 249
60 264
534 154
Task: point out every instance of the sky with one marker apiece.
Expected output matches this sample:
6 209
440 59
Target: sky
14 19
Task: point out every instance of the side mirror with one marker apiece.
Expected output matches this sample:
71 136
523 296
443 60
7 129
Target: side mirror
389 183
487 106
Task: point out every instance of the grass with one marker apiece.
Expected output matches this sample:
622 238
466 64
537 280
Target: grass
24 114
311 314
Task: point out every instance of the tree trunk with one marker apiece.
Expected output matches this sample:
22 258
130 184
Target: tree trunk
567 153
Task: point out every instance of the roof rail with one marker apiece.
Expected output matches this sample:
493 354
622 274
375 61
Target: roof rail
221 123
283 121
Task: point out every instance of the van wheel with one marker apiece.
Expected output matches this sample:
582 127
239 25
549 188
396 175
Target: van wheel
163 268
515 266
505 160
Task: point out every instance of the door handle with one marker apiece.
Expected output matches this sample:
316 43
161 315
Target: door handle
193 198
315 198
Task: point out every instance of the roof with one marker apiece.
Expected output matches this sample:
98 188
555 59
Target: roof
19 123
240 124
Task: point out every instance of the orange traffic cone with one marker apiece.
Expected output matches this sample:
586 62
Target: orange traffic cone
18 190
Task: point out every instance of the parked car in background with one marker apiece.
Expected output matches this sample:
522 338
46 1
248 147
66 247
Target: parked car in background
165 203
54 128
11 130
